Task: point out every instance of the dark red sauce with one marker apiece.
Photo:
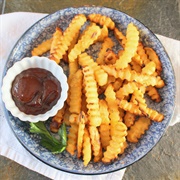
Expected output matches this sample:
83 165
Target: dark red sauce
35 91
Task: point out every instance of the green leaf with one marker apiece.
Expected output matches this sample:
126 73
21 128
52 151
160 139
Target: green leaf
49 141
63 134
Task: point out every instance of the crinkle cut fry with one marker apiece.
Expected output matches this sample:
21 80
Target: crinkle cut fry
110 57
86 40
154 57
91 97
95 140
129 106
138 129
151 113
107 44
42 48
131 75
102 20
68 36
120 36
117 143
72 139
126 89
57 119
113 108
76 92
132 39
81 127
56 38
87 151
153 93
100 75
104 128
142 53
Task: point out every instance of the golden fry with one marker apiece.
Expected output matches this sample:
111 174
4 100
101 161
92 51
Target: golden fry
104 128
56 38
104 34
100 75
80 133
72 139
153 93
102 20
42 48
138 129
87 151
86 40
76 92
153 57
107 44
129 119
120 36
58 119
95 140
110 57
132 38
91 97
68 36
112 107
117 143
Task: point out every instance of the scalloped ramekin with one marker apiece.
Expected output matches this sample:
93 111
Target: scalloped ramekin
33 62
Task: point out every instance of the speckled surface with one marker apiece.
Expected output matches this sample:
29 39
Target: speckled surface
162 17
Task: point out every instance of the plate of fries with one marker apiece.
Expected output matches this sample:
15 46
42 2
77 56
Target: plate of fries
121 88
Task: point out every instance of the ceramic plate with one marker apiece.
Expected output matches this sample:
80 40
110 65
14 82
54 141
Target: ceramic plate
44 29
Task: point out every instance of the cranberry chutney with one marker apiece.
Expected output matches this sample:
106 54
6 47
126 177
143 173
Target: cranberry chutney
35 91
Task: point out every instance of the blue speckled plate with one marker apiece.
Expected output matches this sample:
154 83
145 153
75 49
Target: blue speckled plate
43 29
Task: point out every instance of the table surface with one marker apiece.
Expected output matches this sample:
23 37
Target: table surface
162 17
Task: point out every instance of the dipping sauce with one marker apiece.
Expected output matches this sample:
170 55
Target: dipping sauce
35 91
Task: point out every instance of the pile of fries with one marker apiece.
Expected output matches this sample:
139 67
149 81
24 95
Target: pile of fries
106 107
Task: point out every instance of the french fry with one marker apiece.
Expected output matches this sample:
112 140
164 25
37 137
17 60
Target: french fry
112 107
56 38
42 48
120 36
110 57
129 106
68 36
151 113
117 143
58 119
81 128
149 68
107 44
86 40
138 129
142 53
104 34
126 89
102 20
132 38
95 140
100 75
76 92
87 151
91 97
72 139
131 75
154 57
129 119
153 93
104 128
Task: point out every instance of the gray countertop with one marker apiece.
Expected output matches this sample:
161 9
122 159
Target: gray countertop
162 17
